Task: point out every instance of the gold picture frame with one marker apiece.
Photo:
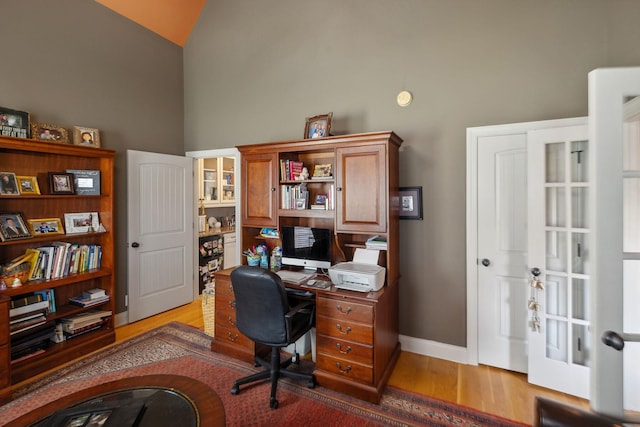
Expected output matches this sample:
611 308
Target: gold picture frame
87 137
49 133
318 126
45 226
28 185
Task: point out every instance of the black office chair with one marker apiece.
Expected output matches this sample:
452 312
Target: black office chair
263 314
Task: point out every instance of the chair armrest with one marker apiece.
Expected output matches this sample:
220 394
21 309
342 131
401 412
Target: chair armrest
298 308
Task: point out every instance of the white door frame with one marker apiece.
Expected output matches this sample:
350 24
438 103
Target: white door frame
473 135
206 154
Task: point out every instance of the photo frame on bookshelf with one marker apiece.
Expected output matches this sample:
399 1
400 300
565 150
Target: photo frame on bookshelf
82 222
13 227
318 126
87 137
49 133
28 185
86 182
61 183
14 123
8 184
45 226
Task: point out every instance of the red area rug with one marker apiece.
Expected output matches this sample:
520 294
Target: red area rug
179 349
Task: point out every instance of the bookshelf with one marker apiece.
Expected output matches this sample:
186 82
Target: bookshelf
30 158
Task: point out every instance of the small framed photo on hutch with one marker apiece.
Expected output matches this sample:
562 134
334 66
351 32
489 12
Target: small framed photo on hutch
318 126
86 181
14 123
50 133
410 202
88 137
61 183
12 227
28 185
81 222
44 226
8 184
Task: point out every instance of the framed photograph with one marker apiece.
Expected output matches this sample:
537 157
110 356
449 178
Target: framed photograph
322 171
45 226
12 227
49 133
14 123
28 185
61 183
410 202
86 181
8 184
318 126
88 137
82 222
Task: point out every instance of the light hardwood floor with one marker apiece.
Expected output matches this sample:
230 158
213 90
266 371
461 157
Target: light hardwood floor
503 393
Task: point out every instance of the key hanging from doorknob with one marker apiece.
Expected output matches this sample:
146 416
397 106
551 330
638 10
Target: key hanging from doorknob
486 262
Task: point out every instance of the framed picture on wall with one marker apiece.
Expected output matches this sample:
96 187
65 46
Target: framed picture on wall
410 202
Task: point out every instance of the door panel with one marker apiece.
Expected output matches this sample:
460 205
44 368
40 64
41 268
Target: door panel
259 178
160 250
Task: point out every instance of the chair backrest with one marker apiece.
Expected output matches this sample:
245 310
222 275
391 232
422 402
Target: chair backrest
261 304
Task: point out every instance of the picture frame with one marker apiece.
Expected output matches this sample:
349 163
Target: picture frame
49 133
318 126
28 185
321 171
8 184
81 222
14 123
410 202
45 226
87 137
13 227
86 181
61 183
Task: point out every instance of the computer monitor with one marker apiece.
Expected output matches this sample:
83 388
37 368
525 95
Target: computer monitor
306 247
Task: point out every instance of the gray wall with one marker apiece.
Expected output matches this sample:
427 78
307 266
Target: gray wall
77 63
255 69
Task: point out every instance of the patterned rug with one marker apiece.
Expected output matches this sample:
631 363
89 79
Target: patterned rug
180 349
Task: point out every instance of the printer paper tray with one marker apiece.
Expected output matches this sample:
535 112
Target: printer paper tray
353 287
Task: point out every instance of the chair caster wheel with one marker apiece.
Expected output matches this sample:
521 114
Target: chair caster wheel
273 403
235 389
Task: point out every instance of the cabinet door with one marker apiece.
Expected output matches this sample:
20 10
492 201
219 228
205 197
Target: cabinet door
361 189
259 183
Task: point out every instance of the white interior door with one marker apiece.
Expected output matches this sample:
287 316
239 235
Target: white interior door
614 120
502 249
559 247
160 232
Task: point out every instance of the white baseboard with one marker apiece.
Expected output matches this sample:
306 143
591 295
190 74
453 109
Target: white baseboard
434 349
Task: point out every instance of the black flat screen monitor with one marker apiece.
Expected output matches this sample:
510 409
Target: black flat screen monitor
306 247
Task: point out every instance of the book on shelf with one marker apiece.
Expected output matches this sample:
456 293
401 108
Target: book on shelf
27 316
376 242
28 308
48 295
88 302
84 329
25 300
94 293
85 318
31 325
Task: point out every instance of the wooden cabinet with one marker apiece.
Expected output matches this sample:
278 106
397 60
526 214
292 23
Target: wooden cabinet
216 181
357 333
26 157
5 361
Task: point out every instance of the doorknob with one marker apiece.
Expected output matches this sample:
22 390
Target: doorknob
535 271
486 262
135 245
616 340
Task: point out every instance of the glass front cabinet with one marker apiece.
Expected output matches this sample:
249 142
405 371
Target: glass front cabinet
216 177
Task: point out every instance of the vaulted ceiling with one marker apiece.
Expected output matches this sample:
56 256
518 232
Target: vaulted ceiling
171 19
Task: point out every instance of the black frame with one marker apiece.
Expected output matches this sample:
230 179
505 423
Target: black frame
413 197
52 183
22 130
82 177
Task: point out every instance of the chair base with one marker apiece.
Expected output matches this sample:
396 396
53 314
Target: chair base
273 371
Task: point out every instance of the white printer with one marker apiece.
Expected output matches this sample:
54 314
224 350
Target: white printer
363 274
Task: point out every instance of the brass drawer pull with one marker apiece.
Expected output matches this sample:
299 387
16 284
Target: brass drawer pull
232 338
343 371
345 332
347 311
230 320
343 351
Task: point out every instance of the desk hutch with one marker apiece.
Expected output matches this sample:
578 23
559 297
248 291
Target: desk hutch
356 333
27 157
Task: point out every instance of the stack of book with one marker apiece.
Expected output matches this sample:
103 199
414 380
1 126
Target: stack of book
290 170
376 242
82 323
90 298
29 329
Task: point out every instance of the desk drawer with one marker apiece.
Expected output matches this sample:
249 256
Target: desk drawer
232 336
5 378
345 368
341 329
224 288
343 349
344 309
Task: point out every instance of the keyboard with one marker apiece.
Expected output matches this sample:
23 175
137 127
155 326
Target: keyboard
294 276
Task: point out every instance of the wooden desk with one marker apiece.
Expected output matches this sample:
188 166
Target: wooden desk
356 336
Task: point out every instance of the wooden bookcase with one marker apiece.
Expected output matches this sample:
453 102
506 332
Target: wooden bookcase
363 187
26 157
